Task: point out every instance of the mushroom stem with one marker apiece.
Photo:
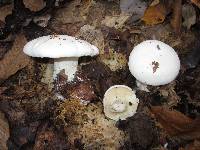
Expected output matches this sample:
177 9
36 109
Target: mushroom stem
118 107
69 64
142 86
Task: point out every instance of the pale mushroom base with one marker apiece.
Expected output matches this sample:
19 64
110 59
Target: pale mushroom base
141 86
68 64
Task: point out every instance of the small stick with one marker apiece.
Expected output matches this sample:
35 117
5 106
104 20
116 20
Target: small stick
177 16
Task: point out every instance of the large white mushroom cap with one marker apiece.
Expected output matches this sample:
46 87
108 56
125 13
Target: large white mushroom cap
64 49
120 102
154 63
57 46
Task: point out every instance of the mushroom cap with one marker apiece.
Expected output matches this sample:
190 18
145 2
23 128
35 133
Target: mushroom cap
123 99
57 46
154 63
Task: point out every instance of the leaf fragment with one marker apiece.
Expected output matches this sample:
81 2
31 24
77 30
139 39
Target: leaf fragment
177 124
196 2
155 14
14 59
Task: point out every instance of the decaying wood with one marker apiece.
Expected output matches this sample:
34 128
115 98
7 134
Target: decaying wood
177 16
15 59
4 132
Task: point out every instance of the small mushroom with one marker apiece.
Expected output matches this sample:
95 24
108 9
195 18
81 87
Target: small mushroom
120 102
64 49
153 63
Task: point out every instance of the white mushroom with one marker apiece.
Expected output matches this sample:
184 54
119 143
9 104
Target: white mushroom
64 49
120 102
154 63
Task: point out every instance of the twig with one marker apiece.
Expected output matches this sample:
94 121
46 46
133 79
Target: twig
177 16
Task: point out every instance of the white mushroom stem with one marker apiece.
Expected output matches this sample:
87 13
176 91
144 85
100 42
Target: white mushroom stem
141 86
118 107
68 64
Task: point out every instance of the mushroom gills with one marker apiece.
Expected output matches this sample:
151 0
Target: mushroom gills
120 102
118 107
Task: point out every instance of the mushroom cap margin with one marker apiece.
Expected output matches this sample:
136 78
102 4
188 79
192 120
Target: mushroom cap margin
57 46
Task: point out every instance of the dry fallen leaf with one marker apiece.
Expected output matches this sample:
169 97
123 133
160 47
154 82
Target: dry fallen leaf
113 60
155 2
72 11
2 89
189 15
196 2
5 10
115 21
193 146
176 123
155 14
49 138
4 132
92 35
14 59
130 7
169 93
34 5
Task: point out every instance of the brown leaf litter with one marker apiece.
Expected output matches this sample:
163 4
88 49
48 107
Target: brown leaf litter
168 92
89 126
22 135
5 10
69 113
70 24
22 104
189 15
192 146
34 5
48 137
4 48
196 2
176 21
155 14
141 131
177 124
25 107
4 132
14 59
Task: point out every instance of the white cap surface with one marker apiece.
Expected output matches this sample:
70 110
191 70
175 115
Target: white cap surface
57 46
120 102
154 63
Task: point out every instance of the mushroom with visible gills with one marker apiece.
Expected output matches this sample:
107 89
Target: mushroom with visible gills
120 102
64 49
153 62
